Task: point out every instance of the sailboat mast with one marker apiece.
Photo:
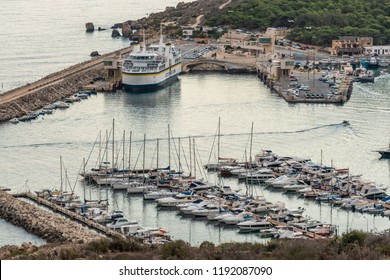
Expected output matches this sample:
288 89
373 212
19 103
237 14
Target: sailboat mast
106 146
179 157
250 147
189 143
113 144
169 148
219 136
246 176
157 153
130 150
100 147
123 148
143 161
61 171
193 139
84 175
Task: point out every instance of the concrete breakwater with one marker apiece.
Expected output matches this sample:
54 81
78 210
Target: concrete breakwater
50 226
53 87
47 94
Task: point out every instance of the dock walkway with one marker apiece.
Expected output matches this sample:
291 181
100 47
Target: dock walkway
305 232
70 214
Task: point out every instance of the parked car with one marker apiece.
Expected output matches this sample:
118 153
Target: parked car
292 90
304 87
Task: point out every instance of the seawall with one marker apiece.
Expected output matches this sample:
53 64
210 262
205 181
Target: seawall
45 224
53 87
46 95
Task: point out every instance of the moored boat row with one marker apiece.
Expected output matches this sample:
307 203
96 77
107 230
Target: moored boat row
50 108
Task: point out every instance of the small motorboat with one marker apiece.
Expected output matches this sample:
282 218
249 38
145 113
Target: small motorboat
14 120
47 111
385 152
61 105
254 225
118 223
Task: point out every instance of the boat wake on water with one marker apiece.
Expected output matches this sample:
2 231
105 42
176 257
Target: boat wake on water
342 124
37 145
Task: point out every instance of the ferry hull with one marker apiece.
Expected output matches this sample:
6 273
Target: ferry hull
135 82
149 87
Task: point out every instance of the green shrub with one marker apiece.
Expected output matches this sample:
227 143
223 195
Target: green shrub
99 246
354 237
69 254
125 245
176 250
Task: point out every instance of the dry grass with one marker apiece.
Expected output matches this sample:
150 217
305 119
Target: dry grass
355 245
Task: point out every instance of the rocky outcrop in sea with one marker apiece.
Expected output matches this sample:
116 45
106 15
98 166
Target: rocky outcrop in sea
89 27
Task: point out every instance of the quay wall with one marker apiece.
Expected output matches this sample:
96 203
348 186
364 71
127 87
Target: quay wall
45 224
321 89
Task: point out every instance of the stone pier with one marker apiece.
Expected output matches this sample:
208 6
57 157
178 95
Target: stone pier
45 224
15 103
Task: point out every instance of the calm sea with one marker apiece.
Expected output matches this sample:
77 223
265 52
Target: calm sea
38 38
30 152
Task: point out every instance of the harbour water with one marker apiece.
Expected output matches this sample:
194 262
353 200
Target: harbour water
191 107
30 152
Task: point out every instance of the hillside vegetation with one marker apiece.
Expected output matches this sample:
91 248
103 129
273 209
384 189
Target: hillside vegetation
355 245
313 21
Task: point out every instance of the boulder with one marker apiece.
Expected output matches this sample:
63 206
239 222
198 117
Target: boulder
126 29
90 27
95 53
101 29
115 33
116 25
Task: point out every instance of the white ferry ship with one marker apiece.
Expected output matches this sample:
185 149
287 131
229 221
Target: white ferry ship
151 68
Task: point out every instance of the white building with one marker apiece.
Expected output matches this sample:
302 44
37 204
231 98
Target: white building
188 32
379 50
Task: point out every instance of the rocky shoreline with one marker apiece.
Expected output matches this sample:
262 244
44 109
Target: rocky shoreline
181 15
52 227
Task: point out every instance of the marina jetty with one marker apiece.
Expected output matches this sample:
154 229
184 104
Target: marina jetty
17 102
48 225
